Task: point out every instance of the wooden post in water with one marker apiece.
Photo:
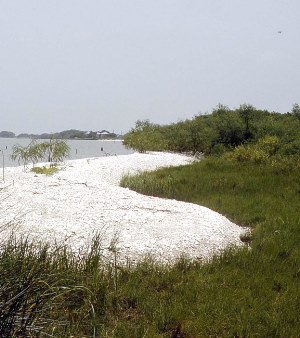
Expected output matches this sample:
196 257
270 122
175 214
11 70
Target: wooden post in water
3 164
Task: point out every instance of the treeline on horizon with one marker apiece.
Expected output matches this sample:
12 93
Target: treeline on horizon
65 134
213 134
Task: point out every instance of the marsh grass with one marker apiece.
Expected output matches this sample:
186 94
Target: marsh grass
247 193
245 293
241 293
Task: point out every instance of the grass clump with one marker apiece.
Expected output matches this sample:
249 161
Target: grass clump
45 170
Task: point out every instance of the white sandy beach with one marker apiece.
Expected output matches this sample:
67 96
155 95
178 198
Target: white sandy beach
85 199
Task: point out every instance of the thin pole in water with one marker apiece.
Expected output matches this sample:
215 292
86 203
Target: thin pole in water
3 164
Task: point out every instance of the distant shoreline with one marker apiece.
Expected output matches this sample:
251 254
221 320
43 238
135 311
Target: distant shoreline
66 134
62 138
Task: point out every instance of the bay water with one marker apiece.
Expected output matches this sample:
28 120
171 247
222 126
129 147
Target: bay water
79 149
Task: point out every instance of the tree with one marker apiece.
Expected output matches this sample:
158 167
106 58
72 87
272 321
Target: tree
220 109
55 150
35 152
144 136
31 152
246 112
229 127
20 153
296 110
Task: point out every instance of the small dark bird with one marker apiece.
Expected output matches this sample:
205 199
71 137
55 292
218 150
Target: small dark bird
279 32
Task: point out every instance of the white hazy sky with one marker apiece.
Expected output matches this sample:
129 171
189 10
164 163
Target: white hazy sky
103 64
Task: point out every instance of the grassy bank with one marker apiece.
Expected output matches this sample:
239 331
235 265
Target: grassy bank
256 292
243 293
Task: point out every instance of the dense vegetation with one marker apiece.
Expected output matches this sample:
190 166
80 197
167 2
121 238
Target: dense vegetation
222 130
247 292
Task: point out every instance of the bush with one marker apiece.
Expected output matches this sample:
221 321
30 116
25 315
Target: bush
286 163
291 148
260 152
249 154
44 170
269 144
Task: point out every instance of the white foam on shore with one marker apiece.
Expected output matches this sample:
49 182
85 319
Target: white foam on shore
85 198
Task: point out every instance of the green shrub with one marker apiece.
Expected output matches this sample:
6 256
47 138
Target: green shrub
291 148
269 144
286 163
259 152
241 154
249 154
218 149
44 170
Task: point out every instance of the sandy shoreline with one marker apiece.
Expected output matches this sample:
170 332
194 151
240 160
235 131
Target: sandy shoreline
84 199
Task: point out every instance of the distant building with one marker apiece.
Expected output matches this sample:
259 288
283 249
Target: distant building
106 134
103 133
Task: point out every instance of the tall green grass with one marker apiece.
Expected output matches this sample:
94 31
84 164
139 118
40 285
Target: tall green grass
256 292
242 293
247 193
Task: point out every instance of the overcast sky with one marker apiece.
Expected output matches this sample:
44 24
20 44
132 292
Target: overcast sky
103 64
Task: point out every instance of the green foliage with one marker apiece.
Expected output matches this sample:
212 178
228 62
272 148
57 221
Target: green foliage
230 129
153 184
20 153
257 153
286 163
54 151
269 144
40 289
44 170
223 130
296 110
35 152
32 152
291 148
269 151
144 136
242 293
248 153
246 111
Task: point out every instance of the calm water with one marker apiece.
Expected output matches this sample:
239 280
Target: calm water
79 149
